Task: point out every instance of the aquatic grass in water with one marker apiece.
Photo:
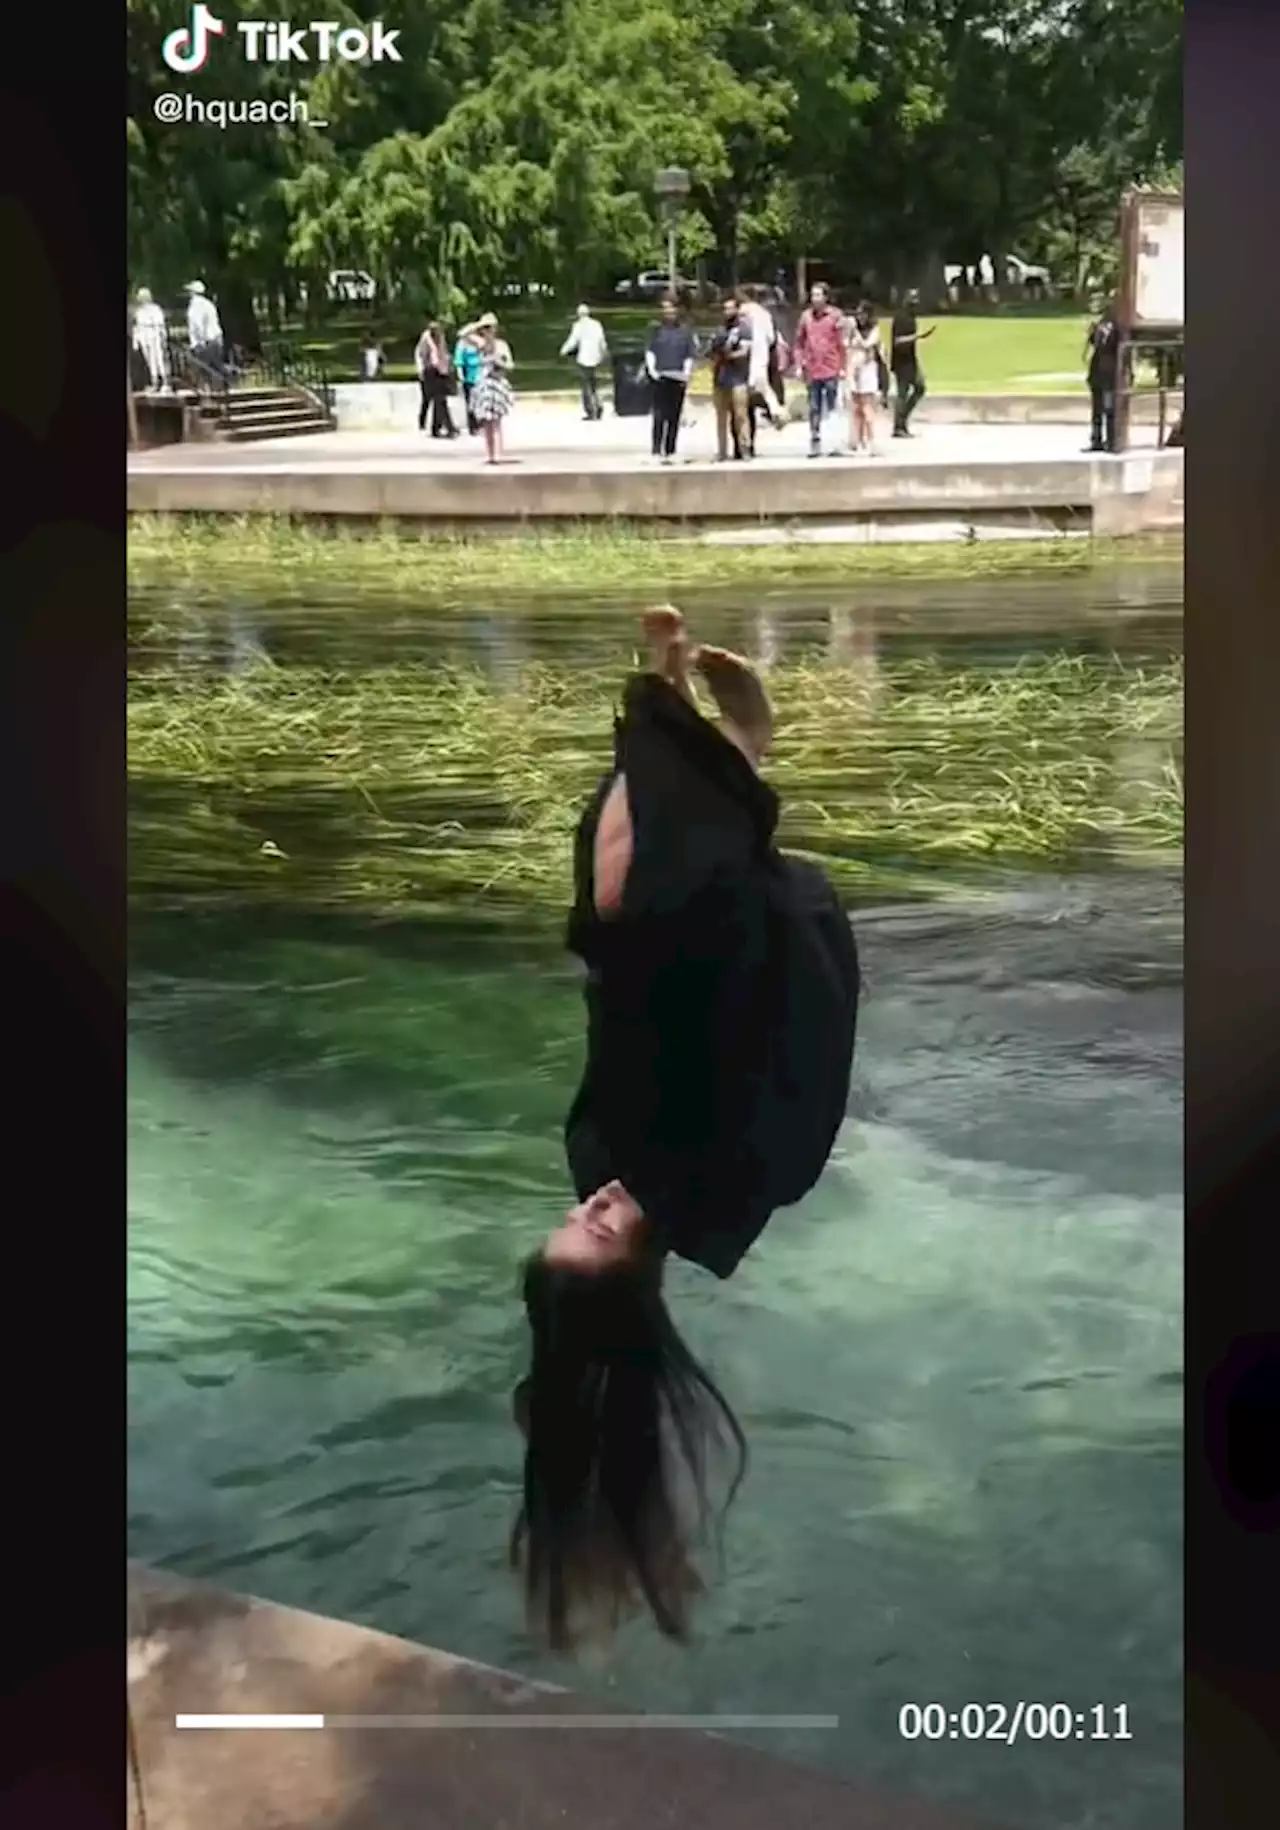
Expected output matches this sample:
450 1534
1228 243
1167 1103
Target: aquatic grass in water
409 790
214 552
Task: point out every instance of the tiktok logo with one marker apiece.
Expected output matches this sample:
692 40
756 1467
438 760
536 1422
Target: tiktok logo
187 48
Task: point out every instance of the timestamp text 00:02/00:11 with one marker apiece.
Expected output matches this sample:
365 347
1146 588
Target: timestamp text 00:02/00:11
1009 1722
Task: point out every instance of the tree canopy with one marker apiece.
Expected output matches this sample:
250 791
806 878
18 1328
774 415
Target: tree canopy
517 140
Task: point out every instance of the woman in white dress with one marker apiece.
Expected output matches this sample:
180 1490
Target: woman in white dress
493 398
862 374
764 338
151 340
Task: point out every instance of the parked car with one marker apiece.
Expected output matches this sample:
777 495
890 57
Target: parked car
1033 280
351 286
654 283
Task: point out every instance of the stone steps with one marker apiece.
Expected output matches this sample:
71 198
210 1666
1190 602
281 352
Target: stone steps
271 412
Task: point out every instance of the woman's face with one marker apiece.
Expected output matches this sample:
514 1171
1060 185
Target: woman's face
605 1229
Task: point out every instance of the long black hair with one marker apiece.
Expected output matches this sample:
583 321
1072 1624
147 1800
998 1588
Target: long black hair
621 1427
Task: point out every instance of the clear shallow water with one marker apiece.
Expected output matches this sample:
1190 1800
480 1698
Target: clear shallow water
958 1362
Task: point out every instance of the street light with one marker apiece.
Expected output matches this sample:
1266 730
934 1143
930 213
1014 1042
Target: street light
671 187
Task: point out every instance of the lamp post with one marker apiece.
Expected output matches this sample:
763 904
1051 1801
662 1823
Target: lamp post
671 187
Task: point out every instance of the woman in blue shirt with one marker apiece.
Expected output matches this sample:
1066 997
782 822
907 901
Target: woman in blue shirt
468 363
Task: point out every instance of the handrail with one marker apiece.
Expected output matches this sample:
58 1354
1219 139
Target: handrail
278 363
1167 355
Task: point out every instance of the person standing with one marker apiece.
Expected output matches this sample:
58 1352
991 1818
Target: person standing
431 359
764 339
1102 352
820 358
467 366
863 376
151 340
493 398
371 358
731 366
204 330
668 360
905 338
588 343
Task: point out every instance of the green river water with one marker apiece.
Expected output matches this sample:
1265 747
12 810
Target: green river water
958 1362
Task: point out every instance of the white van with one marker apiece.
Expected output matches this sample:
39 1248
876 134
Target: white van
351 286
1017 273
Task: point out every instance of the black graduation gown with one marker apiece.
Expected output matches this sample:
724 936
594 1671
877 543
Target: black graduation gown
721 999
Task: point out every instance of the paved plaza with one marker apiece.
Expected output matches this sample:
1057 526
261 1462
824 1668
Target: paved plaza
552 436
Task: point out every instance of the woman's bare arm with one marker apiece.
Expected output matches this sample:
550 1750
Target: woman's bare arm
613 849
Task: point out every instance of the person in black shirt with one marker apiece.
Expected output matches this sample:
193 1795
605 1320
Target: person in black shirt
730 372
668 359
1102 352
722 994
905 339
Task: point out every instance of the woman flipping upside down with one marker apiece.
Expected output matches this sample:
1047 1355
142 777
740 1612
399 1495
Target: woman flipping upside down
722 996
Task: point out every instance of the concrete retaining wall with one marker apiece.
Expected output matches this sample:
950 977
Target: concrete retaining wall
198 1650
1144 494
1136 493
392 406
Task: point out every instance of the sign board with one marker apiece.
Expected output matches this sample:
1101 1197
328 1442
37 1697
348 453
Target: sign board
1151 262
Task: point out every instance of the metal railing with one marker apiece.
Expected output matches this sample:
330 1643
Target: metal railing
214 375
1165 359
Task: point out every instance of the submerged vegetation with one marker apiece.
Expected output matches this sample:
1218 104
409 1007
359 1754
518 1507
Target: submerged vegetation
208 552
408 790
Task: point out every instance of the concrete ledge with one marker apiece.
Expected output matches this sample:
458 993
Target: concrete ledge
1144 494
166 419
738 493
1136 493
195 1649
1032 409
387 406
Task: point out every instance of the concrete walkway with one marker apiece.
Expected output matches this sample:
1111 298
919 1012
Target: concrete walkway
969 479
550 438
197 1650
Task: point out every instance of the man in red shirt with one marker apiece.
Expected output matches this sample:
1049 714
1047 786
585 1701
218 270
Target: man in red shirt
820 356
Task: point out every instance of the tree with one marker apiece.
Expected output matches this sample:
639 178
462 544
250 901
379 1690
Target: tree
518 139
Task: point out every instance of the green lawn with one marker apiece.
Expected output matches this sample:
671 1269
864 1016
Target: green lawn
976 353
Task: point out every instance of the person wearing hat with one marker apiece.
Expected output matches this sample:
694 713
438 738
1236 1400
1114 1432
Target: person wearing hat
467 366
493 398
151 340
204 328
587 341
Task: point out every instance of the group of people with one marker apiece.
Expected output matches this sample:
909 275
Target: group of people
747 356
478 367
149 335
750 361
832 349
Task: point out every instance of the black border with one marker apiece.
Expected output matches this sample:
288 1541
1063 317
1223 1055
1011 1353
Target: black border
1232 930
62 854
62 929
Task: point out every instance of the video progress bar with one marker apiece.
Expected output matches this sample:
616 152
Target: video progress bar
469 1723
